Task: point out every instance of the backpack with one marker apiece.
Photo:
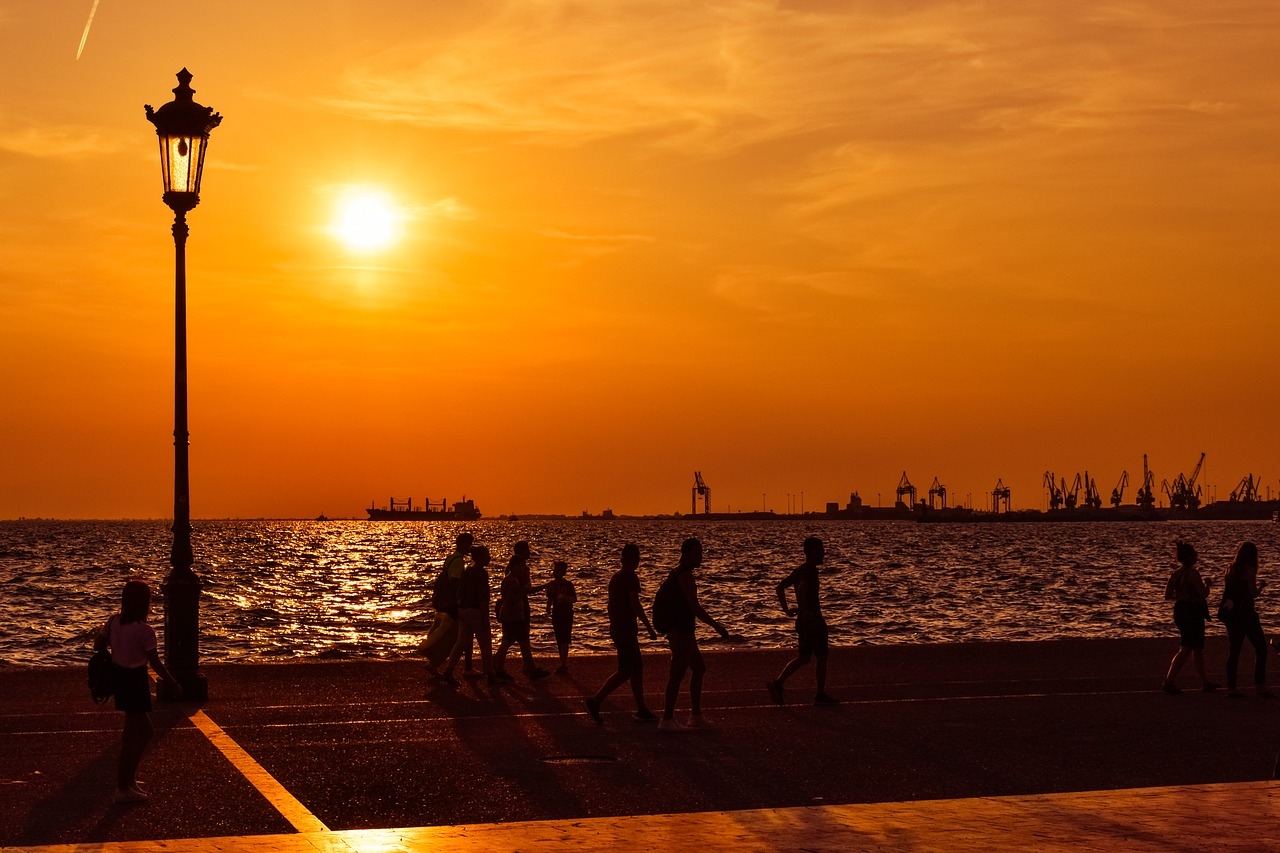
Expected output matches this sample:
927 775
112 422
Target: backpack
100 681
668 604
444 590
1173 584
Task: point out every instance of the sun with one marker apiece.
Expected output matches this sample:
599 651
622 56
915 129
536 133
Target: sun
366 220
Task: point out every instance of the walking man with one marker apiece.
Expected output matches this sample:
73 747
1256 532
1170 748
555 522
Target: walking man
624 611
675 610
811 628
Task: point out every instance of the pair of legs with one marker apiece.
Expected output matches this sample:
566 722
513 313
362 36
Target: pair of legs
516 633
813 643
137 734
473 622
685 657
562 627
801 660
133 697
630 668
1247 628
1189 616
1197 659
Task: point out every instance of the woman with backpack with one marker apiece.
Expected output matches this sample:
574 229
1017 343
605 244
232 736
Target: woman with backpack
1189 593
133 645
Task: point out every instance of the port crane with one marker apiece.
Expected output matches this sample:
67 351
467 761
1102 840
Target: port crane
1246 490
999 493
939 491
905 489
701 489
1117 494
1184 493
1092 499
1147 491
1055 493
1071 496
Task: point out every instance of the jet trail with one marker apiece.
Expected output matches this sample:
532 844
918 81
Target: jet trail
89 23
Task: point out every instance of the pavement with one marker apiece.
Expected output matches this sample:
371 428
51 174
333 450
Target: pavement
982 746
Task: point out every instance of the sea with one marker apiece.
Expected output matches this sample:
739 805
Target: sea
298 590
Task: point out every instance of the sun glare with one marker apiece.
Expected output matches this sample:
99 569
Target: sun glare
366 221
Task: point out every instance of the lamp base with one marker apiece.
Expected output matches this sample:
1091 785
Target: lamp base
194 689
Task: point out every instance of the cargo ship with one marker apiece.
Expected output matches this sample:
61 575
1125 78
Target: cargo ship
463 510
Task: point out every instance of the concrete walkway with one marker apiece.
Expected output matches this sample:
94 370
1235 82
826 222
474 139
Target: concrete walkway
1237 817
977 746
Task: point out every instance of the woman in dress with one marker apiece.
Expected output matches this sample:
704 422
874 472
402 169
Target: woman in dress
1242 587
133 645
1190 593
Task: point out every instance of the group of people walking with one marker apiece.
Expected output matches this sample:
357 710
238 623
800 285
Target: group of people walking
461 598
462 603
1190 593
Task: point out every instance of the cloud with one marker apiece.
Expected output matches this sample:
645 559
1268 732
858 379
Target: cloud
714 77
54 142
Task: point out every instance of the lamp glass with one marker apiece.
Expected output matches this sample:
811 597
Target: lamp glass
181 160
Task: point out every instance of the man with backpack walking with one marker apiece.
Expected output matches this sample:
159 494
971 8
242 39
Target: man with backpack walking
675 611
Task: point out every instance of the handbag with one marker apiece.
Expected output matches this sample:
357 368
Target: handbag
101 669
1224 612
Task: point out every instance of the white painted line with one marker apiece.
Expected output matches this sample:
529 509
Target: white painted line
293 811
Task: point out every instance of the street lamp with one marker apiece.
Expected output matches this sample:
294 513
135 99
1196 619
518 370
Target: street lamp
183 127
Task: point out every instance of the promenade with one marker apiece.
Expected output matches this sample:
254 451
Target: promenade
985 746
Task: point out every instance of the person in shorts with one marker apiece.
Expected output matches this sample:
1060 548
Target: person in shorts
625 611
1189 593
133 646
561 596
811 628
681 638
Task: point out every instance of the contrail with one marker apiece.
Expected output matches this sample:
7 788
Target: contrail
89 23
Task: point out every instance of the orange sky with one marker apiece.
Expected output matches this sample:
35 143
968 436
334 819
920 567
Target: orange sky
799 246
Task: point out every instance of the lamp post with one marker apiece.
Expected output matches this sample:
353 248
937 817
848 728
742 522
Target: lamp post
183 127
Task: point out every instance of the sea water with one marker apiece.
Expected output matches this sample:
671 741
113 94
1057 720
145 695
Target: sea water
282 590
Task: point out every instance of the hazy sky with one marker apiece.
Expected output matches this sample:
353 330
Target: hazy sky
798 246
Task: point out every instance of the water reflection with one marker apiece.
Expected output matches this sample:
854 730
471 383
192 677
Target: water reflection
300 589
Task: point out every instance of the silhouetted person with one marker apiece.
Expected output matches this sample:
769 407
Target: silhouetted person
561 596
444 598
625 611
1189 593
1241 588
133 645
516 589
811 628
681 637
473 617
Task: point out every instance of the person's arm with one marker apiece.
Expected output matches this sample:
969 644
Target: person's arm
638 609
781 590
691 596
163 671
102 640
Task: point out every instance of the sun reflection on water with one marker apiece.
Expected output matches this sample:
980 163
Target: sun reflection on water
280 589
